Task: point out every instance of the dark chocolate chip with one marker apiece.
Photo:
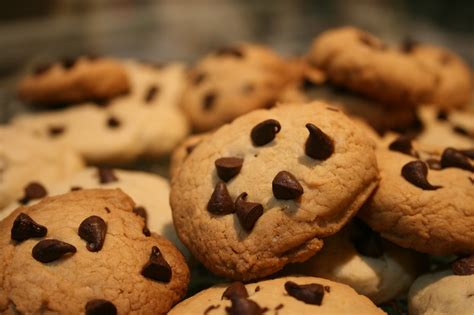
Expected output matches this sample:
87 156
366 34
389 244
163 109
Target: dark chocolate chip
442 115
75 188
461 131
230 51
236 289
106 175
50 250
264 132
308 293
416 173
285 186
243 306
141 212
210 308
107 209
434 164
365 240
100 307
408 45
93 230
247 212
468 152
24 227
403 144
198 78
151 93
228 167
257 288
327 289
209 100
190 148
319 145
68 63
42 68
157 268
453 158
113 122
220 201
463 266
54 131
32 191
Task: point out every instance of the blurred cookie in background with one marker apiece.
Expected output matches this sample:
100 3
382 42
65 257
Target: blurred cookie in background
181 153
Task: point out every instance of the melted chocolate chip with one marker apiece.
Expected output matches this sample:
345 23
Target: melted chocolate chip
220 202
93 230
403 144
50 250
308 293
210 308
24 227
199 78
442 115
209 100
416 172
319 145
434 164
243 306
468 152
42 68
463 266
100 307
151 93
366 241
33 191
106 175
157 268
141 212
257 288
247 212
228 167
453 158
113 122
285 186
236 289
264 132
54 131
75 188
230 51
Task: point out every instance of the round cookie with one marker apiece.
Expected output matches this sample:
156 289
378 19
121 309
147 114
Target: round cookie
85 251
81 79
181 152
358 257
25 159
405 76
146 122
425 198
282 296
263 191
233 81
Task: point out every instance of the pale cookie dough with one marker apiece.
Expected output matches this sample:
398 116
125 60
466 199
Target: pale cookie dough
273 296
146 122
108 261
301 187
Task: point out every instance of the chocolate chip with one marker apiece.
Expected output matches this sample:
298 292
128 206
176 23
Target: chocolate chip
157 268
209 100
243 306
106 175
308 293
68 63
113 122
434 164
461 131
228 167
32 191
42 68
199 78
468 152
93 230
24 227
327 289
365 240
463 266
236 289
285 186
75 188
190 148
257 288
453 158
319 145
151 93
141 212
210 308
220 202
264 132
107 209
416 172
54 131
230 51
403 144
50 250
100 307
442 115
247 212
408 45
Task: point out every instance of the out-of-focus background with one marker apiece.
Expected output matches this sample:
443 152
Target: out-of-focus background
33 31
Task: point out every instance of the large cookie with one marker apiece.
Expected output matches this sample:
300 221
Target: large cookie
85 252
146 122
400 76
81 79
25 160
282 296
263 191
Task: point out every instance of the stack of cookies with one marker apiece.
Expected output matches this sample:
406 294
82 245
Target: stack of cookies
338 182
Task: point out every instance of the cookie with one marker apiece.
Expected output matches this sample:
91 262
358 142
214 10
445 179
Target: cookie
85 252
147 122
282 296
74 80
425 198
360 258
444 292
398 76
27 162
233 81
181 152
263 191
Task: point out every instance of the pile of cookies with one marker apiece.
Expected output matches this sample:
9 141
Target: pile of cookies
338 182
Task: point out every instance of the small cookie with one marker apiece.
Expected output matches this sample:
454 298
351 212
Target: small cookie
181 153
75 80
27 163
425 198
85 251
146 122
404 76
263 191
282 296
233 81
358 257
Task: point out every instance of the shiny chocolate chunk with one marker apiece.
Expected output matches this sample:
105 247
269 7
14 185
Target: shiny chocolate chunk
106 175
33 190
93 230
416 173
243 306
220 202
100 307
454 158
228 167
285 186
308 293
157 268
403 144
264 132
24 227
50 250
319 145
236 289
247 212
